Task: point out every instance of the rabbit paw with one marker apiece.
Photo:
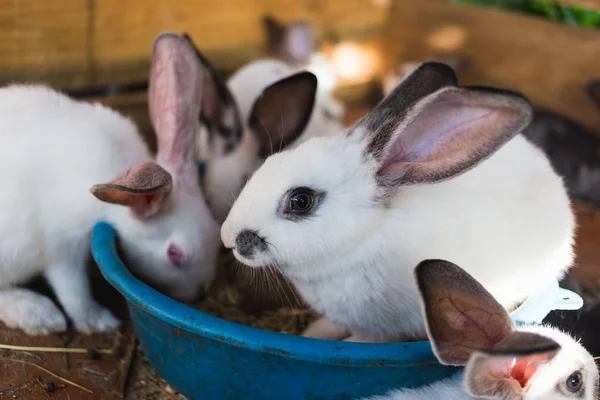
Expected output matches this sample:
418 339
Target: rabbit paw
94 318
31 312
325 329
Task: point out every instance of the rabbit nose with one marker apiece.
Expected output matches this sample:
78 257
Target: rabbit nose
247 241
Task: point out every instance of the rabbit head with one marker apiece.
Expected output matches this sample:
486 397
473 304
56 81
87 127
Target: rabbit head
295 44
166 232
308 205
235 146
468 327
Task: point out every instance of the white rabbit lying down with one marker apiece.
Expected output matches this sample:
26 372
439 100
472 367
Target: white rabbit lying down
54 150
467 326
434 170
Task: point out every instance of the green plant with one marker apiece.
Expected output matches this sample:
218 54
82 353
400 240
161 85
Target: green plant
545 9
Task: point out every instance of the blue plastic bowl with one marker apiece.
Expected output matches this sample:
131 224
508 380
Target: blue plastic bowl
208 358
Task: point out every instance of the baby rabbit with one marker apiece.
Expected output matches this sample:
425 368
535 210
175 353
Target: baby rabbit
467 326
295 44
434 170
54 149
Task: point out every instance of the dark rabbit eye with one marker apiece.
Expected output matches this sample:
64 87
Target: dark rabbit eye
300 203
574 382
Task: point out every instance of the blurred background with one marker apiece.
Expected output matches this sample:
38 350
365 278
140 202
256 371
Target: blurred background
99 50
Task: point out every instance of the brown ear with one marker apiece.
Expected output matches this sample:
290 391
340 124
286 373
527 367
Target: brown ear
282 111
143 188
461 315
507 370
175 98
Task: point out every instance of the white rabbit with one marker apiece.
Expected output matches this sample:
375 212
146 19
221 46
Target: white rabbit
295 44
54 149
435 170
467 326
234 140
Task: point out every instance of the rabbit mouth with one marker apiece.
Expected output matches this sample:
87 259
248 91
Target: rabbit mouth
257 260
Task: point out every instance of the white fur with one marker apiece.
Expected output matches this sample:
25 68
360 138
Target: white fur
226 174
542 386
53 150
507 222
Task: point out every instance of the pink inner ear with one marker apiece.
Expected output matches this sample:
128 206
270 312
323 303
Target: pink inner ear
175 96
519 369
450 132
176 255
444 137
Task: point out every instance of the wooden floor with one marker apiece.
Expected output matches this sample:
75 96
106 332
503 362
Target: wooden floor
107 376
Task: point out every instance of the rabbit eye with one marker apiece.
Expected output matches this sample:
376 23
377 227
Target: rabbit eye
300 203
574 382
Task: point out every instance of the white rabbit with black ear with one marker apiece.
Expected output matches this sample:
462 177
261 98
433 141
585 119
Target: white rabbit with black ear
240 132
54 149
468 327
434 170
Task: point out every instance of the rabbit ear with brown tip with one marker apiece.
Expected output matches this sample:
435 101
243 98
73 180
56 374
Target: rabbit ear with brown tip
143 188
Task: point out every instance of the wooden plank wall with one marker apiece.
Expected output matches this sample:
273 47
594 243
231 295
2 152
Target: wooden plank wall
78 43
551 63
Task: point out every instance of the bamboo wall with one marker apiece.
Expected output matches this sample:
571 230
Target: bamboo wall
80 43
551 63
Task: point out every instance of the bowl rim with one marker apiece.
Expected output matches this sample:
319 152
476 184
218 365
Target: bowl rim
200 323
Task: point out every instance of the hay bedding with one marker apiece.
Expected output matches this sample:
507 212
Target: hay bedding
225 300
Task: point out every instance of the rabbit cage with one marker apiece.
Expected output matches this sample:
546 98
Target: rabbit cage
99 50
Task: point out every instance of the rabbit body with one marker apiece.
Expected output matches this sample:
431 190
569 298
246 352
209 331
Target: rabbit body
55 150
507 220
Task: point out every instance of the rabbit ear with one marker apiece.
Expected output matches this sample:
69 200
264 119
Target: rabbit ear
175 98
461 315
275 32
507 370
293 43
143 188
282 111
428 130
219 111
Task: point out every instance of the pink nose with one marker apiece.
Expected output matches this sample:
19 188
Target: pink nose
176 255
